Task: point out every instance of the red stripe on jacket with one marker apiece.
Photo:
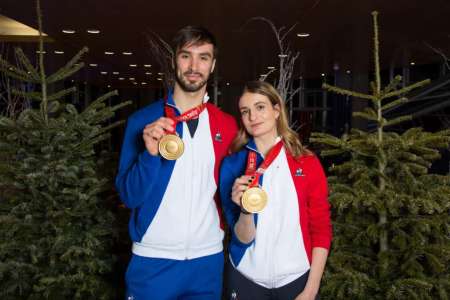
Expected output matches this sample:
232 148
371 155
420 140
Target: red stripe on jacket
312 191
223 130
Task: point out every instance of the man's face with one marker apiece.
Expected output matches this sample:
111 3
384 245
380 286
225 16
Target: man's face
194 63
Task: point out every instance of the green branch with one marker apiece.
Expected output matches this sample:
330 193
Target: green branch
70 68
33 73
376 52
406 89
342 91
393 84
395 103
14 72
43 105
365 115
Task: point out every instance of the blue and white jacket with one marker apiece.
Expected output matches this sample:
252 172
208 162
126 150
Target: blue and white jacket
175 209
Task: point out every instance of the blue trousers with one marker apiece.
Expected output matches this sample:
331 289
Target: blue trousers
167 279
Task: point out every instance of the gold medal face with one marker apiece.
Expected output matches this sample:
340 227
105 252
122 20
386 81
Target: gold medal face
254 200
171 146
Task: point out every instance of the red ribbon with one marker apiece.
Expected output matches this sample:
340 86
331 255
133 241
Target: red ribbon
192 113
251 169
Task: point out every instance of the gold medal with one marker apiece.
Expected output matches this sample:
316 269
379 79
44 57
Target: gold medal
171 147
254 199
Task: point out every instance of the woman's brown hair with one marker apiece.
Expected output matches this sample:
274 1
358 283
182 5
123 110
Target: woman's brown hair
289 136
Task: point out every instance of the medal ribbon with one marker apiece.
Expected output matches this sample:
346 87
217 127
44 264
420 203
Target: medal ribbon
190 114
251 169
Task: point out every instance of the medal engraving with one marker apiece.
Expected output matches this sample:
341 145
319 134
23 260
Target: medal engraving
254 199
171 147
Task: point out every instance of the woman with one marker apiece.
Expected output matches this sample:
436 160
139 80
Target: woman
280 251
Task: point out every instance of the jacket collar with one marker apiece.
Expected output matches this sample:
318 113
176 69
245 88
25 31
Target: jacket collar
171 102
251 145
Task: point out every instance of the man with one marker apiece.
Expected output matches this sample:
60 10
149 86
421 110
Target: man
175 226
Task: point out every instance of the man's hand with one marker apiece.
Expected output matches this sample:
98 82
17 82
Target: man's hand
153 132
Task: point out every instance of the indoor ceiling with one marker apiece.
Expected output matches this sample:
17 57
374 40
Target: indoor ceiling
340 33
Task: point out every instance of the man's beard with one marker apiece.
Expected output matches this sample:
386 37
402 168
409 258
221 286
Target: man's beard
188 86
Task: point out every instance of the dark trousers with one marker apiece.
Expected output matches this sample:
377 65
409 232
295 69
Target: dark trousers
238 287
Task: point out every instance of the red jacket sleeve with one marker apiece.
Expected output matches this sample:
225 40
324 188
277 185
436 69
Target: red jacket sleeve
318 206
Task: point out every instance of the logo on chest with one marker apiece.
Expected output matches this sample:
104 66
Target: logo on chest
218 137
299 173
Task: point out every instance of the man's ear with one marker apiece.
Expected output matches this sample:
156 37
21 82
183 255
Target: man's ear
213 65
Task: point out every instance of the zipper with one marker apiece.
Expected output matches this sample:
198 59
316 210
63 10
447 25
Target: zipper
191 159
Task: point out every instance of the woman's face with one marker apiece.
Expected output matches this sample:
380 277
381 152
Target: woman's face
258 115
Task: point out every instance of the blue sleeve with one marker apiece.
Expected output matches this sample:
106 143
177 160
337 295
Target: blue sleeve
138 169
226 180
231 210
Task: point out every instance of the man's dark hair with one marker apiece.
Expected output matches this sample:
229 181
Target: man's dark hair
194 35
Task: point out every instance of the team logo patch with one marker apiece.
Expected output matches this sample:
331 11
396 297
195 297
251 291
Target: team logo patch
299 172
218 137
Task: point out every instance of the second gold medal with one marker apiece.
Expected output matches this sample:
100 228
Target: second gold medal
254 199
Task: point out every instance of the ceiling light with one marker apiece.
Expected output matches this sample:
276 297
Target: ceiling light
282 55
303 34
133 65
147 66
323 74
93 31
39 52
109 86
131 78
103 72
271 68
228 83
412 63
59 52
121 78
116 73
134 82
109 53
160 73
158 78
127 53
348 71
336 66
68 31
93 65
143 83
148 73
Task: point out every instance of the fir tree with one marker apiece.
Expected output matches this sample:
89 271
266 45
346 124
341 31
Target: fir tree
55 232
390 215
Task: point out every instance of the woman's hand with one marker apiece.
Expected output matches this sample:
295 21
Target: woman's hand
305 295
319 258
239 187
245 226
